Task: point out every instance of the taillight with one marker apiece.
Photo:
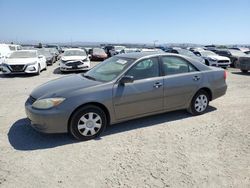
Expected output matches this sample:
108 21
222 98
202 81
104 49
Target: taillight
225 75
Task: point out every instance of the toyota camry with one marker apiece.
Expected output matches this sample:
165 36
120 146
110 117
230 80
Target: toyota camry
121 88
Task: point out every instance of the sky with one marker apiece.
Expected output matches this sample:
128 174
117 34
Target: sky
129 21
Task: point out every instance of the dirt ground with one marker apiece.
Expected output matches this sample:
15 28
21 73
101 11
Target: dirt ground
168 150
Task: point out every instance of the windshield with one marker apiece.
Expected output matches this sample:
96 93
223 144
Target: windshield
237 53
74 53
207 53
109 69
23 54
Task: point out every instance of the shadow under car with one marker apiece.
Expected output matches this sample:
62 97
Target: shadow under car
23 137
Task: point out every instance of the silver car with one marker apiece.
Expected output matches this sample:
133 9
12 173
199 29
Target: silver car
121 88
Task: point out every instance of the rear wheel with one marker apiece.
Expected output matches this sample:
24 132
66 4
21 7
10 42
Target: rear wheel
87 123
199 103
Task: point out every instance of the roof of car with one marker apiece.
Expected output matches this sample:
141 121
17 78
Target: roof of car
138 55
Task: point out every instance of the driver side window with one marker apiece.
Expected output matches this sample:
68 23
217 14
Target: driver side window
147 68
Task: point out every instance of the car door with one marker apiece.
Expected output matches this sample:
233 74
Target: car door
181 81
144 95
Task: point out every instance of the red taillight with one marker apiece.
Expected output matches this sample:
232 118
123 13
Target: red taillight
225 75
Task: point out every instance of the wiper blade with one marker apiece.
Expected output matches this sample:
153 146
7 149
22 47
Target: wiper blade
89 77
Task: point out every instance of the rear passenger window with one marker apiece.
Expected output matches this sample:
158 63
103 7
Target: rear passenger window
176 65
147 68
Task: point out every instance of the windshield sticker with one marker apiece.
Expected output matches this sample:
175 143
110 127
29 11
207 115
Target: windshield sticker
121 61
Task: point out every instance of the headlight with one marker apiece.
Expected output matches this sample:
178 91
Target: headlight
47 103
63 61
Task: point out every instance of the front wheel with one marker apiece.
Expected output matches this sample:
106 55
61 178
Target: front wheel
87 123
199 103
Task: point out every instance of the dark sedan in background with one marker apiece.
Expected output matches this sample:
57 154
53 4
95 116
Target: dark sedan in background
50 58
123 87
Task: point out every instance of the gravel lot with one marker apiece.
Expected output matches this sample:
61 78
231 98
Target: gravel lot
168 150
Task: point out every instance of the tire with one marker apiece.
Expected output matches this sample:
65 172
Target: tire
39 70
244 71
234 63
87 123
196 107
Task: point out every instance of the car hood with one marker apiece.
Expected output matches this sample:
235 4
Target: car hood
62 87
217 57
72 58
20 61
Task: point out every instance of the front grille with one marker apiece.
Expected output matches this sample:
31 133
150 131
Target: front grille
31 100
75 63
223 61
17 68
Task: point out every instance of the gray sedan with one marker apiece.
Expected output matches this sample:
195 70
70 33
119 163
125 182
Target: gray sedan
121 88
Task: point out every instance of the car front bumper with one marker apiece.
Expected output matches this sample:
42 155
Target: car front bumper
52 120
84 66
29 69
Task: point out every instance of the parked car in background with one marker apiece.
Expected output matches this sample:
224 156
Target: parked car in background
74 59
116 50
243 49
97 54
4 53
213 59
50 59
123 87
107 49
54 52
234 55
24 61
129 50
60 50
185 53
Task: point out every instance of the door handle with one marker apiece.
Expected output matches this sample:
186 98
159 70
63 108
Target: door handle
196 78
157 85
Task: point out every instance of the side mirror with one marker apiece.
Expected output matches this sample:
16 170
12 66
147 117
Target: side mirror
126 79
40 56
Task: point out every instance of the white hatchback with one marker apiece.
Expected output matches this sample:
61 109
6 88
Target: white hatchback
24 61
